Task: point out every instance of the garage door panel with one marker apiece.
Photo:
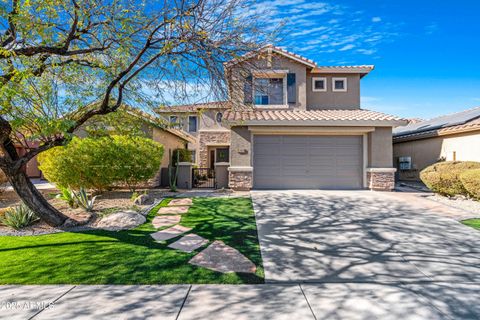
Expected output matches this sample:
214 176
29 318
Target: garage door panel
313 162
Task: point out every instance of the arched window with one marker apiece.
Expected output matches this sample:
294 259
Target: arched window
219 117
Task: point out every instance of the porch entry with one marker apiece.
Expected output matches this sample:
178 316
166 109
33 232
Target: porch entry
218 154
206 177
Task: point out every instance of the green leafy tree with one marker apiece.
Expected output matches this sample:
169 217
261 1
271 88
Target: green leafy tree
101 163
63 62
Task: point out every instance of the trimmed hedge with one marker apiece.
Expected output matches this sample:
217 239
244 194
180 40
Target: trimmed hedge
471 182
101 163
444 177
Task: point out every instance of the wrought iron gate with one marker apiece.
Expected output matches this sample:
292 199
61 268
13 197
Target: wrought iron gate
203 178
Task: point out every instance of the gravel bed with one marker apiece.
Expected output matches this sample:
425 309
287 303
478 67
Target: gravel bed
471 207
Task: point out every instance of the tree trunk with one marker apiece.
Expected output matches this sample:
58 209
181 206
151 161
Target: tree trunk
35 200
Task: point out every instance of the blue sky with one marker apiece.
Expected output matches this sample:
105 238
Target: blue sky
426 53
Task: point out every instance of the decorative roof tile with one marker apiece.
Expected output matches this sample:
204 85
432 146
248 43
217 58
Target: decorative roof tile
358 115
194 107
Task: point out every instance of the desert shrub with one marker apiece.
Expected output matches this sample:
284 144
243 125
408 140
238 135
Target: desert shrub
18 217
184 155
101 163
444 177
83 200
471 182
67 195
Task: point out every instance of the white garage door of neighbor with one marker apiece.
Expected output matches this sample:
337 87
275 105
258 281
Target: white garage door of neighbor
307 162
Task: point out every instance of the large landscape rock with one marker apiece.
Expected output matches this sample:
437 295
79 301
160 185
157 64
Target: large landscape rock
122 220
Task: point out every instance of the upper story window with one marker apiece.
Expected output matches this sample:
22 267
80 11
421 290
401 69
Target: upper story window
174 122
319 84
192 123
219 117
339 84
270 91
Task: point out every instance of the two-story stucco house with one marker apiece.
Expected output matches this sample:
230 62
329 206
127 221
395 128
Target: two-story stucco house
292 124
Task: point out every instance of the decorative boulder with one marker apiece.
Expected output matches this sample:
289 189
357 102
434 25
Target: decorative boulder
122 220
143 199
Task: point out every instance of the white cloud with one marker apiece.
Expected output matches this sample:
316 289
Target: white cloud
308 31
376 19
431 28
347 47
367 52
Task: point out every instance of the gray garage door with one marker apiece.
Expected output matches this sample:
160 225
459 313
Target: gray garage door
307 162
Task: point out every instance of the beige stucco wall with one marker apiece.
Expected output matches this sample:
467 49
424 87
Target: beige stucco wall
425 152
239 72
330 99
380 148
206 122
169 141
240 147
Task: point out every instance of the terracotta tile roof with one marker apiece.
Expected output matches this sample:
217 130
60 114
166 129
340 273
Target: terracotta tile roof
312 115
194 107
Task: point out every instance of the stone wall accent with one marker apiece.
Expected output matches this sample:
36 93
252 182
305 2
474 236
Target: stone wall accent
381 181
210 138
240 180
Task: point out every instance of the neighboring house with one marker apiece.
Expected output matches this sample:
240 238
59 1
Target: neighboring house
31 168
453 137
290 123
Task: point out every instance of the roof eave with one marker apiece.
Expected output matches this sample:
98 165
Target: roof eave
326 123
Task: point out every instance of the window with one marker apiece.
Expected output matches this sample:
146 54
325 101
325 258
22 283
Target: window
192 123
339 84
174 123
319 84
222 155
269 91
219 117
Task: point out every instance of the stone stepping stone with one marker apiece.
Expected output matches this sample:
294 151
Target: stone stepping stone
222 258
170 233
165 221
173 210
189 243
180 202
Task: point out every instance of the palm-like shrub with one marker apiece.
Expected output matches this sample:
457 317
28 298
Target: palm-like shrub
19 217
444 177
83 200
68 195
471 182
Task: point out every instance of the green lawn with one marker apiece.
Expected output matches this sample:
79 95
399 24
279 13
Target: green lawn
474 223
132 257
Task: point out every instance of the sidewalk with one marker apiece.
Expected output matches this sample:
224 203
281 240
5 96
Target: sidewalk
278 301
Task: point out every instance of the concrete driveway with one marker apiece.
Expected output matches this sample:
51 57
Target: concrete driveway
382 249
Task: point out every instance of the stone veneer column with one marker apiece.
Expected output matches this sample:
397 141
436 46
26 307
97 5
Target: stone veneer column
381 179
240 178
210 138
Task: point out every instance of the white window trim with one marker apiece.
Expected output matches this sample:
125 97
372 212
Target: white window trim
196 123
324 84
266 106
339 90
